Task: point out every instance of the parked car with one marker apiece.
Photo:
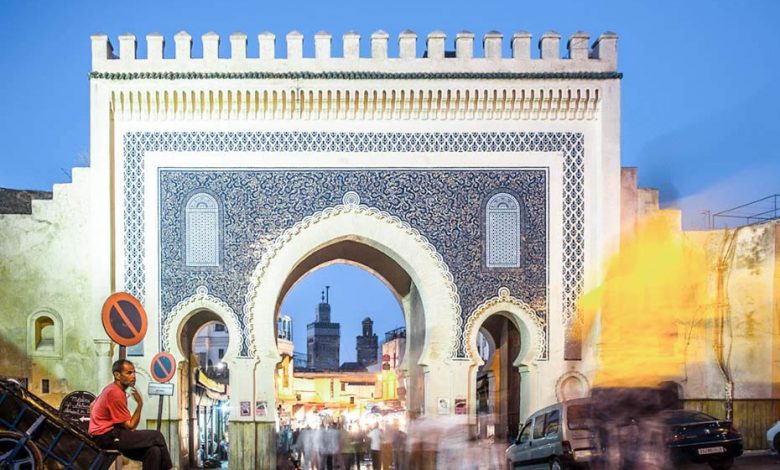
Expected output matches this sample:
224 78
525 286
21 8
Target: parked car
556 437
773 437
700 438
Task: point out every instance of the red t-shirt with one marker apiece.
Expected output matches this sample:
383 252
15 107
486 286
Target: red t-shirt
110 408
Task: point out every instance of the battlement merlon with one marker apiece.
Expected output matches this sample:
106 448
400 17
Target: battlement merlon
598 59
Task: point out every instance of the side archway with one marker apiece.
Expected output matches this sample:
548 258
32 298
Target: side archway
179 332
532 341
188 308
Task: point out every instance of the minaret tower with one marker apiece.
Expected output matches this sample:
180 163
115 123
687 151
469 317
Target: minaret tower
367 344
323 337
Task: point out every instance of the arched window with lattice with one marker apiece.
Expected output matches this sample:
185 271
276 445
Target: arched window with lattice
502 223
202 231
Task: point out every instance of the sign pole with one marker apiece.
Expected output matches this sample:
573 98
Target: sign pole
159 412
122 352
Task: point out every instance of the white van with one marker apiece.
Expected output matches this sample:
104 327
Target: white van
554 438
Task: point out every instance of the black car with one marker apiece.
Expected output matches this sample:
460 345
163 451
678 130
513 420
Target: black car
700 438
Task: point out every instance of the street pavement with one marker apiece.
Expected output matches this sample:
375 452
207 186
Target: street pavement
752 460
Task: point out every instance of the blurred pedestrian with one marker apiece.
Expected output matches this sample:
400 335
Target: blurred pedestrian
375 445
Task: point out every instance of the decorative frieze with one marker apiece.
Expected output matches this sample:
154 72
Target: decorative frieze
358 103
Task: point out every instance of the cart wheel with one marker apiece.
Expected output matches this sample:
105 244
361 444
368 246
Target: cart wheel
26 458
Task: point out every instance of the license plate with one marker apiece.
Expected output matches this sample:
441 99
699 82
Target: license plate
711 450
582 454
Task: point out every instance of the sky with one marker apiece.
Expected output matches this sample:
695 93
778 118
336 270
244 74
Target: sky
700 101
699 95
354 294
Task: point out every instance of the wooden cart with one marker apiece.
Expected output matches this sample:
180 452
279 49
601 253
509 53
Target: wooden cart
34 436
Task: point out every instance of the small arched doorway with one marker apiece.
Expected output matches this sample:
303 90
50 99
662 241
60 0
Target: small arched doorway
203 383
497 381
504 337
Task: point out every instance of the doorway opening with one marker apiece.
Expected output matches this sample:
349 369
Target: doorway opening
350 330
204 392
497 380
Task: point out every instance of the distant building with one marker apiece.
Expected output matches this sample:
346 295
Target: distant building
367 344
284 338
210 345
323 336
394 347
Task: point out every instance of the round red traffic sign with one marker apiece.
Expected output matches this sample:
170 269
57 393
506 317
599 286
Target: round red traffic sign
163 367
124 319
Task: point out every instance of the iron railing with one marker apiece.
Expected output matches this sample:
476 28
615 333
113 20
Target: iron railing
755 212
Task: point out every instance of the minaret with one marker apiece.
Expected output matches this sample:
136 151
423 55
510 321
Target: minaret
323 337
367 344
323 309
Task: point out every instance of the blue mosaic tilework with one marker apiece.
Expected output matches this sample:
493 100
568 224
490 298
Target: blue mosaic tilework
571 145
446 206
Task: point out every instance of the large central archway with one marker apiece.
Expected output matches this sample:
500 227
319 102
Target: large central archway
386 246
302 393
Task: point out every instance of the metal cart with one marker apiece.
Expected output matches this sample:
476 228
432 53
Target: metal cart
33 436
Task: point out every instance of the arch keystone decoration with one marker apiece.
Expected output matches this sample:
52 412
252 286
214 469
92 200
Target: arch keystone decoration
187 308
530 326
373 226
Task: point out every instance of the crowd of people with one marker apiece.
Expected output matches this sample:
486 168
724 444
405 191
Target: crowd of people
427 443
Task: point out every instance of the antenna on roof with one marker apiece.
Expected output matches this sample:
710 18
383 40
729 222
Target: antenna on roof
327 292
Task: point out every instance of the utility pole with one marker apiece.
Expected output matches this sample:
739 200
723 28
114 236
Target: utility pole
707 218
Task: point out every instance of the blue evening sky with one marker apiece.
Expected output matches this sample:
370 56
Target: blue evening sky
354 295
700 95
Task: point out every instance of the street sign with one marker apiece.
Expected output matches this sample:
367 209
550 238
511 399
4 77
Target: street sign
163 367
124 319
75 408
160 389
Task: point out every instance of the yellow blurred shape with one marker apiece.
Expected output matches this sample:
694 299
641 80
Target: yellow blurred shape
653 296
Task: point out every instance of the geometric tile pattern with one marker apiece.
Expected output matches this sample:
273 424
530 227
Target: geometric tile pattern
569 144
445 206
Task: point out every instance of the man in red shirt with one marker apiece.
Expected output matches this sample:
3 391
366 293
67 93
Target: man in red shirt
113 427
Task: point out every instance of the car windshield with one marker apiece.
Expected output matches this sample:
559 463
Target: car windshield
684 417
579 416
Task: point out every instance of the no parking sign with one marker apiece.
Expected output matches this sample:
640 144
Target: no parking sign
163 367
124 319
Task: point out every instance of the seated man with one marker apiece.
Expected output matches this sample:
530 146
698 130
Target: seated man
112 426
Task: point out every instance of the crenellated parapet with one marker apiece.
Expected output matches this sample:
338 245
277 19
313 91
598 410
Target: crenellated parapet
581 60
433 83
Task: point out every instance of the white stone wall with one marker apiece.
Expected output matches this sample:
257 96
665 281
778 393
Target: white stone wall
50 267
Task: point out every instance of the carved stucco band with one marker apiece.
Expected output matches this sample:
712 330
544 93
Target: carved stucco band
504 296
352 206
202 297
